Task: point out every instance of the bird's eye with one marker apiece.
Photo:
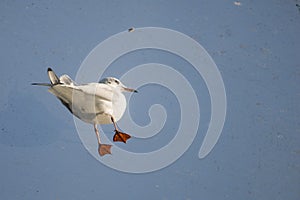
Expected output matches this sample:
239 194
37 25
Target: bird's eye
117 82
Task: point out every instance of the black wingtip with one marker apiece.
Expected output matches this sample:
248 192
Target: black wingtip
53 77
42 84
49 69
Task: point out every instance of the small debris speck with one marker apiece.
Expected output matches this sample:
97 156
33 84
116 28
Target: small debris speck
237 3
131 29
298 6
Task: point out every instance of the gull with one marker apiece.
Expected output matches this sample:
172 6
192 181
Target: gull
93 103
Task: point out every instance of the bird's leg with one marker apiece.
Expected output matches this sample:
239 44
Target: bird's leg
119 136
102 148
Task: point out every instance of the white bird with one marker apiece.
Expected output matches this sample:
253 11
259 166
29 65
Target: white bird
94 103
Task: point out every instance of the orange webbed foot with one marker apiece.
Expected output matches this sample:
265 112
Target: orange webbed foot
120 137
104 149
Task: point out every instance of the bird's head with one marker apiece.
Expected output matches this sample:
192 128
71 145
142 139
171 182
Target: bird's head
116 83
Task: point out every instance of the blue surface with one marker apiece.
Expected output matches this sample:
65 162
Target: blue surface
256 48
